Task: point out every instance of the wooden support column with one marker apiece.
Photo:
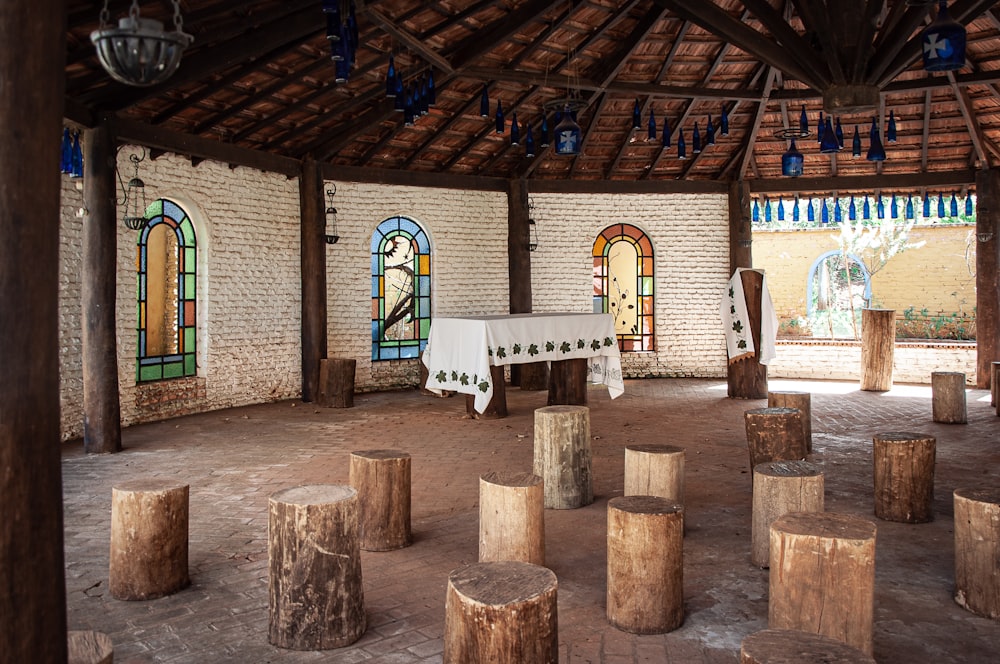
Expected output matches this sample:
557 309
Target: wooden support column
102 432
32 572
532 376
313 256
747 377
987 283
739 226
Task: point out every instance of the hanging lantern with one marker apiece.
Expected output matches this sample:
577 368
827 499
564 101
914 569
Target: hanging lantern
792 161
138 52
943 42
567 134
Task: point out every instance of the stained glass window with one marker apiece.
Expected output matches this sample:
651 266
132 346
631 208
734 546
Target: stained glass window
623 284
166 261
401 289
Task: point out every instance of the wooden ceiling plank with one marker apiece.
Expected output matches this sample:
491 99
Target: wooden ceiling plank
974 128
486 39
846 183
867 26
751 136
788 38
926 131
891 41
710 17
454 19
405 37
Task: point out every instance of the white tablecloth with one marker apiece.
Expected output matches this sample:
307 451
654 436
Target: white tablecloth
460 351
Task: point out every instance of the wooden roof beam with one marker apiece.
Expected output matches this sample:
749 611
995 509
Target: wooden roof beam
751 135
788 38
405 37
487 38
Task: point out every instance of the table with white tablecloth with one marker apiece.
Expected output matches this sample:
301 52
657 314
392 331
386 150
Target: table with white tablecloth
460 351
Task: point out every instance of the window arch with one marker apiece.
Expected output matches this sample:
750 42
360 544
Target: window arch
828 288
623 284
167 294
401 289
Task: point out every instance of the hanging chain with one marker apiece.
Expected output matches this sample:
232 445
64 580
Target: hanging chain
133 11
105 15
178 21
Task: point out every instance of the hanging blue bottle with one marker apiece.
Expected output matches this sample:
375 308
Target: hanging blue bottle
767 211
500 124
724 122
803 122
893 207
792 161
890 132
681 146
695 140
529 141
825 211
943 42
416 99
425 107
839 132
543 138
829 143
408 109
837 214
755 214
636 116
927 205
515 130
968 205
66 153
795 210
856 143
810 211
665 142
880 208
852 210
867 211
484 103
390 78
651 126
709 132
76 170
909 207
876 151
940 206
781 210
399 102
820 129
953 205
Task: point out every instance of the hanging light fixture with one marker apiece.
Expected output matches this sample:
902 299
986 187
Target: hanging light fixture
138 52
529 141
543 139
390 76
431 90
943 42
484 103
567 134
135 193
66 153
876 151
532 233
792 161
75 157
332 234
500 124
820 129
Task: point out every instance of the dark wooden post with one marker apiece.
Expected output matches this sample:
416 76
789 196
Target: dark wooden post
747 377
987 283
739 226
313 277
534 375
32 572
102 432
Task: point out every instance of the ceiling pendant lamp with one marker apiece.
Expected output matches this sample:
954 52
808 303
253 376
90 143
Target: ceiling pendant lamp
890 132
665 142
567 134
943 42
681 145
529 141
636 116
695 140
876 151
968 205
724 122
856 143
709 132
484 103
543 138
138 52
953 205
828 143
390 77
852 210
515 130
792 161
501 125
651 126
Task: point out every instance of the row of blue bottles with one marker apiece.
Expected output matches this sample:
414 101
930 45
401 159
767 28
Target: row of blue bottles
908 209
71 155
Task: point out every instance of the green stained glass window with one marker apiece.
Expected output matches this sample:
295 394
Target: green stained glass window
401 289
623 284
166 262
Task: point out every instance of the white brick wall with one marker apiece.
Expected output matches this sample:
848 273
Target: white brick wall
691 249
912 362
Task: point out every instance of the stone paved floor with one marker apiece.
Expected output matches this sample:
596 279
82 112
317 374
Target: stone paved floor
234 459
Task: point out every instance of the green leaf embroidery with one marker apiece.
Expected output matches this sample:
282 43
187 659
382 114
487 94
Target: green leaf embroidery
501 352
549 346
732 309
454 375
533 349
564 347
731 292
490 351
580 343
517 349
595 345
737 326
608 341
484 386
464 380
742 343
441 376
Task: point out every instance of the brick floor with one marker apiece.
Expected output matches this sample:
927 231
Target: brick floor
234 459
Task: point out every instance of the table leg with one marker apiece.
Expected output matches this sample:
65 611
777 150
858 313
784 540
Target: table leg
568 382
497 407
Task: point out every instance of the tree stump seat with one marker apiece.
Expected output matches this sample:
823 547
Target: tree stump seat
315 593
655 470
89 647
795 399
780 487
336 382
822 577
562 456
501 613
948 403
904 476
774 434
790 646
977 550
149 539
511 518
645 564
382 480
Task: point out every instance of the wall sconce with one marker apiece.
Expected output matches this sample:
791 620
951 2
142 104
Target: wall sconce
532 235
134 190
331 217
984 237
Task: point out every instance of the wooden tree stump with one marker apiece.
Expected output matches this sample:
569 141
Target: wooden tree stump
977 550
511 518
568 382
948 397
501 613
382 480
878 343
89 647
562 456
645 564
780 487
336 382
774 434
904 476
497 407
149 539
655 470
534 376
994 378
789 646
316 600
800 400
822 576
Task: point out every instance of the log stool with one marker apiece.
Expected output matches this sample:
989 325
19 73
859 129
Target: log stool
316 600
800 400
774 434
645 564
822 576
336 382
149 539
790 646
780 487
511 518
562 455
655 470
904 476
501 613
88 647
948 397
977 550
382 480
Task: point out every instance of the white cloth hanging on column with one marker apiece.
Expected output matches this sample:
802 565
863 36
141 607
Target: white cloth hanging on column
736 321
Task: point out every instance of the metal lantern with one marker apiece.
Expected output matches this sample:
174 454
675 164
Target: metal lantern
138 52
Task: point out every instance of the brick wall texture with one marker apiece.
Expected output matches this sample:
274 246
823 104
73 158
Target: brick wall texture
249 302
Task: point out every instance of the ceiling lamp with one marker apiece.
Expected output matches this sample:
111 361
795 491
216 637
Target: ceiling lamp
134 191
792 161
138 52
567 134
943 42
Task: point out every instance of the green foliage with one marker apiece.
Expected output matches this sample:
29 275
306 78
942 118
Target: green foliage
875 242
924 325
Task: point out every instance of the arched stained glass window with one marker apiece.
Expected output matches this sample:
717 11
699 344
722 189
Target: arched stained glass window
167 294
623 284
401 289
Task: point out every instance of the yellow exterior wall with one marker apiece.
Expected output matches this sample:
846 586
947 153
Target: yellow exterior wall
939 277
